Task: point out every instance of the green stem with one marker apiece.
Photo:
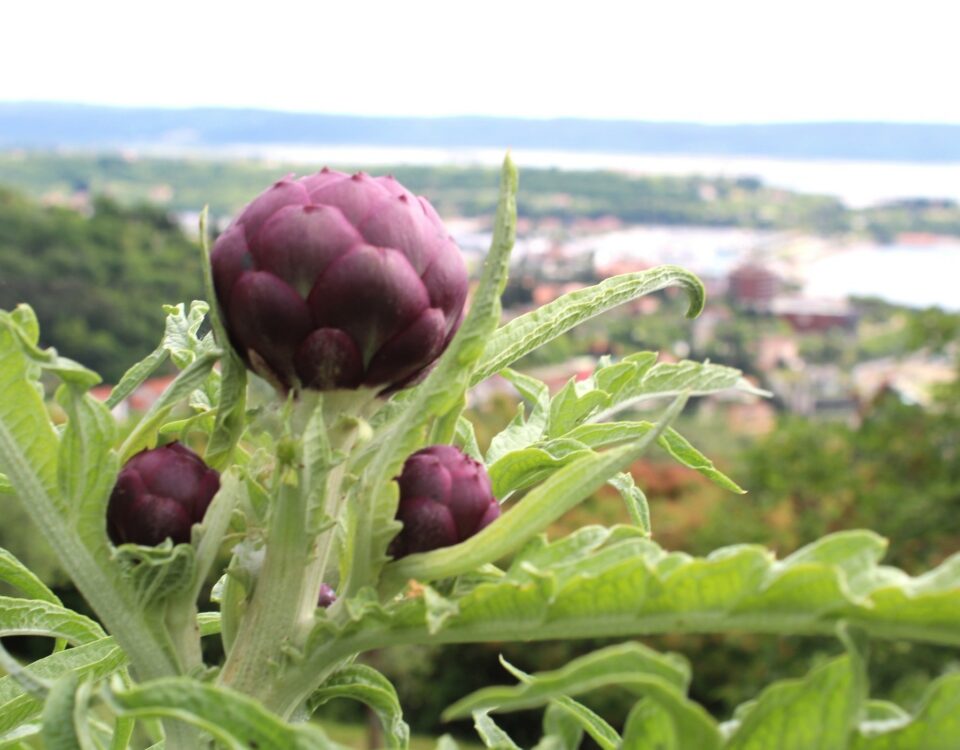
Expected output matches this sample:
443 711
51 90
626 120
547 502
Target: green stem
298 686
284 600
315 573
271 619
181 621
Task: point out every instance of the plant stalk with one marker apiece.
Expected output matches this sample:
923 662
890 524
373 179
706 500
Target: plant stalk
266 629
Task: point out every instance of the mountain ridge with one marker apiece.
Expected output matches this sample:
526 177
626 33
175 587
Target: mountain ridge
40 125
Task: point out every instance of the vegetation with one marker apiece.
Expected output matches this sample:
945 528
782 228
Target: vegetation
97 281
181 185
809 613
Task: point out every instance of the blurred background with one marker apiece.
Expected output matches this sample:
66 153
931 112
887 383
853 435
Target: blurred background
802 158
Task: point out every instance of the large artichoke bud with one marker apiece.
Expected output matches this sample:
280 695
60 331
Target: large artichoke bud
445 498
339 281
160 493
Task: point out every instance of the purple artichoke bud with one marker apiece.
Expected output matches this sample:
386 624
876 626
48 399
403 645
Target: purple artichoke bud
445 498
327 596
160 493
339 281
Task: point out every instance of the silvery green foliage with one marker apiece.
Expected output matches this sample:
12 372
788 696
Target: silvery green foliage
308 496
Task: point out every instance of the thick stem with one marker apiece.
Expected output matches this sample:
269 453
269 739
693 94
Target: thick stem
314 574
281 611
271 619
344 429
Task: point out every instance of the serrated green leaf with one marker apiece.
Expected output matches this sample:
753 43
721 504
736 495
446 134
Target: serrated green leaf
631 666
679 448
492 735
157 573
144 434
28 441
236 720
524 430
634 498
619 584
649 725
178 428
630 587
22 322
439 609
135 376
87 467
526 467
935 726
528 332
562 728
568 408
857 553
59 728
466 439
38 617
94 660
179 341
666 380
364 684
25 319
628 665
593 724
573 549
230 420
533 513
180 332
683 452
817 711
15 573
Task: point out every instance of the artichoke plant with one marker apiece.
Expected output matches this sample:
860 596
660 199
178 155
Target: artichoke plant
445 498
160 493
336 281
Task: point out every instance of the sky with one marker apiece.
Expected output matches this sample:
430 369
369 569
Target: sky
711 61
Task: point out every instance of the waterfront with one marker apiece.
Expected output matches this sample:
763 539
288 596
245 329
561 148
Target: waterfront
856 183
908 275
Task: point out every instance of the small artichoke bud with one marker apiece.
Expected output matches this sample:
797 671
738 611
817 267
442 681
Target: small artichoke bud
327 595
445 498
160 493
339 281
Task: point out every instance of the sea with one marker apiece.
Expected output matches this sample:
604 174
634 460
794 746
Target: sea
856 183
927 276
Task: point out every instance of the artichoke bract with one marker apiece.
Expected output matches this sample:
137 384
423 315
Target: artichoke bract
160 493
445 498
339 281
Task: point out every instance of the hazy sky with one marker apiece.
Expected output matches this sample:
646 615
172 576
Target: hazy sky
708 61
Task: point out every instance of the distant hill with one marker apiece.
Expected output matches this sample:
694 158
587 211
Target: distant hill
51 125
